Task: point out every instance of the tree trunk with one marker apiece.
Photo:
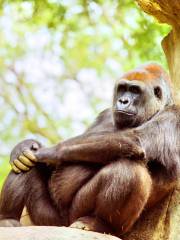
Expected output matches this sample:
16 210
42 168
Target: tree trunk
171 46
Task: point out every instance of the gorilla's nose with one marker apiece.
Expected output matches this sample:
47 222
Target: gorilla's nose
124 101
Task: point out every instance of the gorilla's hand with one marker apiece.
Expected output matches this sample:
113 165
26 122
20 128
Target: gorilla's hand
22 157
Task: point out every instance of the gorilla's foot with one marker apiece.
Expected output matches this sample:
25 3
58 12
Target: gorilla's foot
9 223
91 224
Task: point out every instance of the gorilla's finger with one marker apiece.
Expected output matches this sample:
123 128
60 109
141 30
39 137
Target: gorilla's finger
15 169
26 161
20 165
29 155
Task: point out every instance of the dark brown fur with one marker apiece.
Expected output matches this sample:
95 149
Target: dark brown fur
109 174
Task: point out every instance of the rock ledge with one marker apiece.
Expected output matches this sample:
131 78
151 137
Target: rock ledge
51 233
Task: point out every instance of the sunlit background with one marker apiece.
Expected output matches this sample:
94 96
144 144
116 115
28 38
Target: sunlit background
58 63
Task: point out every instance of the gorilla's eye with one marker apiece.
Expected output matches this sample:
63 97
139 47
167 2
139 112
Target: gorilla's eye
158 92
121 88
135 89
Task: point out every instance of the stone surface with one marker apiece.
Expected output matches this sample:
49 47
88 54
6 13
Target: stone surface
50 233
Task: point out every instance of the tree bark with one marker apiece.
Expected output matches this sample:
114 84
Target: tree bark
171 46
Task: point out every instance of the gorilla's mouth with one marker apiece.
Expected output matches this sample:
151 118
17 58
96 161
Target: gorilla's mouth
128 113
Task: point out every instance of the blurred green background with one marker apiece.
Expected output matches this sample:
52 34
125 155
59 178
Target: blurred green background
58 63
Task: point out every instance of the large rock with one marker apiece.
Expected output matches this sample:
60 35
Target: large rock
50 233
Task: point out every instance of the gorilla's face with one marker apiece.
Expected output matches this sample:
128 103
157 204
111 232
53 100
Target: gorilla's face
136 101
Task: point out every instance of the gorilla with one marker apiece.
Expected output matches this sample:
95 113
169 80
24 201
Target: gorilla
102 180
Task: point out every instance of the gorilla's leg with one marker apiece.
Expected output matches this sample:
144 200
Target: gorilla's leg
12 199
117 195
30 189
65 182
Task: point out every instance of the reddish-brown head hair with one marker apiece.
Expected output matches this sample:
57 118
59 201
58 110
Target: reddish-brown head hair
147 73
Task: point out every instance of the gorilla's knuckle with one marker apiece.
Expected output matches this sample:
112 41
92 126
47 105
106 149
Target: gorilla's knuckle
141 152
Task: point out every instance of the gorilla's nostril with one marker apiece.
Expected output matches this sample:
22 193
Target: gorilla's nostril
124 101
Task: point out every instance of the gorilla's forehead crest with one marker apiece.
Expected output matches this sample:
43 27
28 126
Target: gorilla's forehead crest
150 72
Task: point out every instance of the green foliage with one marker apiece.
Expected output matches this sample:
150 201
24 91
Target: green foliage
46 47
